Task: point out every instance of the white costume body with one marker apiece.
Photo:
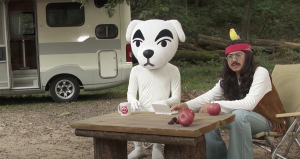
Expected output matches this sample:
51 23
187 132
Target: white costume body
154 85
154 43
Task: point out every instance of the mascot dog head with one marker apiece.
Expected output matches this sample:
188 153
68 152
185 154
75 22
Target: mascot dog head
154 42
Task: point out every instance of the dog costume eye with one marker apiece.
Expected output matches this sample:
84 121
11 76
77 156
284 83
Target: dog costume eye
163 42
137 43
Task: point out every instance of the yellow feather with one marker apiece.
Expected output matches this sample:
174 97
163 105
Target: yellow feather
233 35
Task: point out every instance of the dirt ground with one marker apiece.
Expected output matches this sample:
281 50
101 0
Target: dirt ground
42 130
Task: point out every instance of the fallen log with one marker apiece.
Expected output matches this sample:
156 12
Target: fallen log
265 42
277 44
211 38
210 48
265 45
216 44
292 44
266 49
211 45
187 55
188 46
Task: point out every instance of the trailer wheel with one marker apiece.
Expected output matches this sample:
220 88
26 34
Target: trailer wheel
64 89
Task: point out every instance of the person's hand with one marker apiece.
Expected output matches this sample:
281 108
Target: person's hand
203 109
179 107
134 104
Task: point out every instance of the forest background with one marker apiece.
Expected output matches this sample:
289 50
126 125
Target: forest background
268 19
273 22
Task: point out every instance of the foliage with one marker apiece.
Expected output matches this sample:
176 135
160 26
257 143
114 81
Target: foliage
276 19
155 6
270 19
154 9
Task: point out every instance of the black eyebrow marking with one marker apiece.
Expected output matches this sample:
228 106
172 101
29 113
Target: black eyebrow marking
138 34
164 33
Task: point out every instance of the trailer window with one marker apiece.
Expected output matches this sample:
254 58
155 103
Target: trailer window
106 31
100 3
64 14
27 23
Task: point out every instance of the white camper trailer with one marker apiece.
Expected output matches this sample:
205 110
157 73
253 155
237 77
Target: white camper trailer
56 46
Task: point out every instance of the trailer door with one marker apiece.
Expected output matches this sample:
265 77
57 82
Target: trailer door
4 67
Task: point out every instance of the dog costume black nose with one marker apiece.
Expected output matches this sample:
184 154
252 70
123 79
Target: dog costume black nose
148 53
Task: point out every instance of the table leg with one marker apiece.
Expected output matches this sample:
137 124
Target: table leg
186 152
110 149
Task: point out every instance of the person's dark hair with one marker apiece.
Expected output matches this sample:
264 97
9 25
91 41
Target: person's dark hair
229 81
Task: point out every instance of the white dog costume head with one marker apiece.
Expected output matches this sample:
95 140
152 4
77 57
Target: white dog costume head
154 42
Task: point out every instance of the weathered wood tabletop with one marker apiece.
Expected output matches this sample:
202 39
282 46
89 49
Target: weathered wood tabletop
151 123
112 131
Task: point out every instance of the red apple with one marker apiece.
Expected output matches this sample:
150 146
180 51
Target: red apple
186 117
214 109
191 111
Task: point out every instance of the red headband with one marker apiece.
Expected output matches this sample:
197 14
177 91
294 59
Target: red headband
238 47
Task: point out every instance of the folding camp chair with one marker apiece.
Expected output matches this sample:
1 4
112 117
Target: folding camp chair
286 79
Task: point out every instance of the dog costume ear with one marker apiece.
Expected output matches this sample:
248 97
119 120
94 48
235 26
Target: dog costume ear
130 27
179 30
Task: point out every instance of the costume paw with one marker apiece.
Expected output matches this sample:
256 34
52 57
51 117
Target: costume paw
135 104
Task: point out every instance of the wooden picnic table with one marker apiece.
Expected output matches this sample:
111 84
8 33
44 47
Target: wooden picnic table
112 131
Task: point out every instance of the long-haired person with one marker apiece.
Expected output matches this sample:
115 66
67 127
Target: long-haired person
246 90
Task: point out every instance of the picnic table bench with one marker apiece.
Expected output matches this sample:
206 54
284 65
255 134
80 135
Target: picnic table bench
112 131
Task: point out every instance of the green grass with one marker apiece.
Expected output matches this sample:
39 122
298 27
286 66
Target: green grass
199 78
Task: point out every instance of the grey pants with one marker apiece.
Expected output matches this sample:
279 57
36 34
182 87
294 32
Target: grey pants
240 145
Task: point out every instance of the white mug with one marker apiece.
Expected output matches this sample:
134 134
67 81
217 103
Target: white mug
124 108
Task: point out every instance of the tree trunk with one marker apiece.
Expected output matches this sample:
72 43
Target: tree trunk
196 3
185 5
246 20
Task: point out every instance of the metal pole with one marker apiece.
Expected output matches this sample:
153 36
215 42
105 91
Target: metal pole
23 49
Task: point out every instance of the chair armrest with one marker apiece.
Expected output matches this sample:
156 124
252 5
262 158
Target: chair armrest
287 114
